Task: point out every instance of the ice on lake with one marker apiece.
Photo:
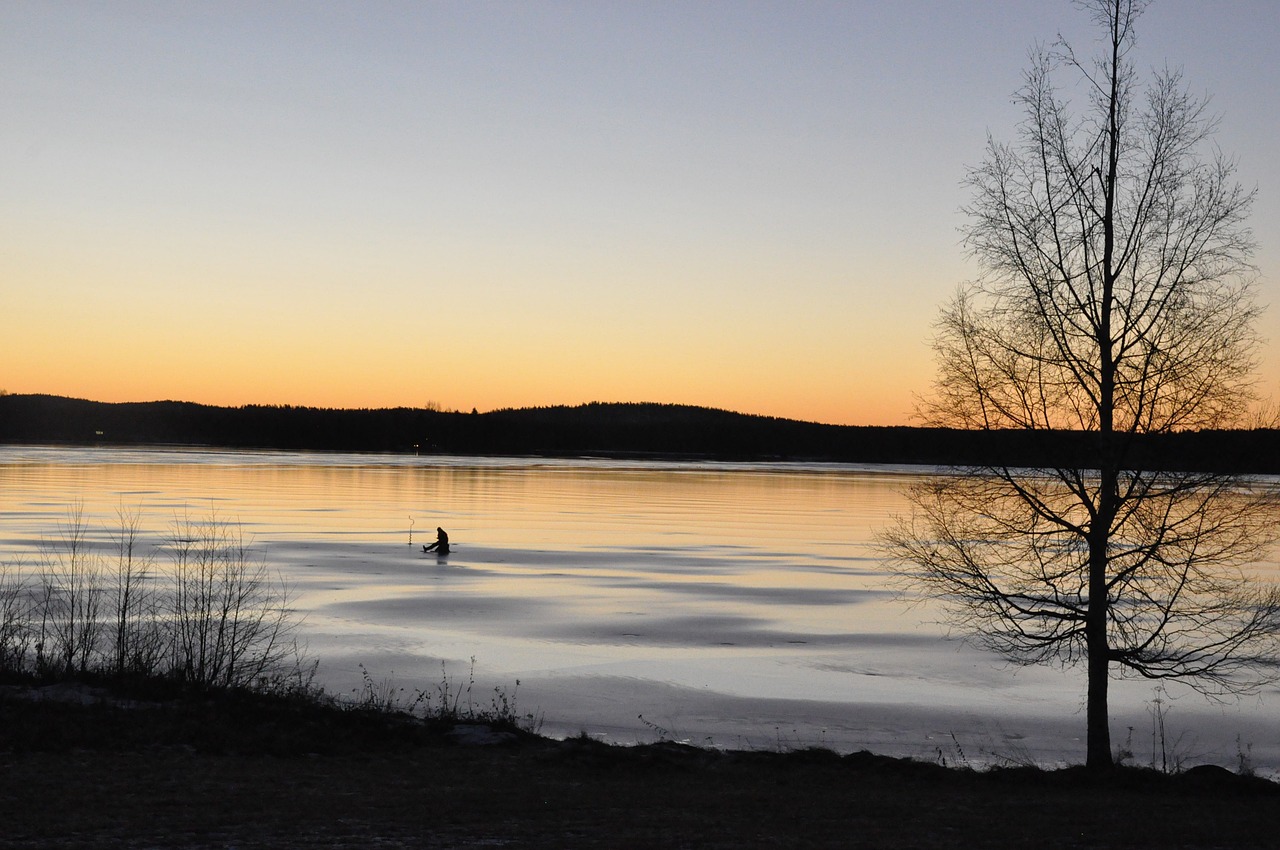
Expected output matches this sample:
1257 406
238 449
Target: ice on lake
737 605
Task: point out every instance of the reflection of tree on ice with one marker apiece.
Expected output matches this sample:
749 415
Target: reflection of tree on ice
441 546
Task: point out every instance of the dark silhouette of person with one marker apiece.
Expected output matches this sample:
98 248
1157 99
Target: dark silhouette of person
441 546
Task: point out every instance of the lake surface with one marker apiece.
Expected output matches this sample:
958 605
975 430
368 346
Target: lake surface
734 605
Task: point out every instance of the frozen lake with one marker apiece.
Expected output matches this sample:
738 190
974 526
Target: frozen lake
735 605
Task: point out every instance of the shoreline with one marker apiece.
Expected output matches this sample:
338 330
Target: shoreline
221 769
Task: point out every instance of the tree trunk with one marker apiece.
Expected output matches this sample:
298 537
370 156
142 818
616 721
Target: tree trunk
1098 719
1097 716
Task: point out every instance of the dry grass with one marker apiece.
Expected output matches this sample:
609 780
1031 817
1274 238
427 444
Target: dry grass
244 770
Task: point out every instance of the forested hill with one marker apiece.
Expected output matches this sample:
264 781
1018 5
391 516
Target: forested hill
629 430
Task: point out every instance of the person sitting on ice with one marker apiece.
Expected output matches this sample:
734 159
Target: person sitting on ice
441 546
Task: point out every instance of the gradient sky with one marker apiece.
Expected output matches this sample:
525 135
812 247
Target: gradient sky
743 205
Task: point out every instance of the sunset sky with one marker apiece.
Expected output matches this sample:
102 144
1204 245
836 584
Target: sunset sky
743 205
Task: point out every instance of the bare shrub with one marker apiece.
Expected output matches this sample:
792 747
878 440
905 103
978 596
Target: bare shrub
70 599
139 639
214 617
228 614
15 620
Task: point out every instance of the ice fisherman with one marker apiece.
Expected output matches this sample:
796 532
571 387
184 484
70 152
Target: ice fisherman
441 546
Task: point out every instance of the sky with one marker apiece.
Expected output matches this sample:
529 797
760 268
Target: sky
745 205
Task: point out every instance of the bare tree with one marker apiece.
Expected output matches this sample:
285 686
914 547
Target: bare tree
1115 298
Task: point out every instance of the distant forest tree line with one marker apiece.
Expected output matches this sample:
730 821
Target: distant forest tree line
597 429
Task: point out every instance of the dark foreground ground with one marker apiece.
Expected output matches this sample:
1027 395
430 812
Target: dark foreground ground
236 771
